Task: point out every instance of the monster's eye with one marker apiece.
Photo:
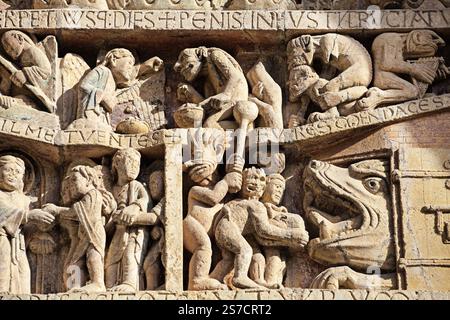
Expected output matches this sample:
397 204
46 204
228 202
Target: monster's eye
373 185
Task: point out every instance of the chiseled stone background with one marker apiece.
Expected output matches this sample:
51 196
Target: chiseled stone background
364 213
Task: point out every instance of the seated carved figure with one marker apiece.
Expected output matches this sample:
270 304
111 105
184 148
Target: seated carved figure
224 86
396 55
86 203
345 76
98 90
30 80
247 217
351 208
15 275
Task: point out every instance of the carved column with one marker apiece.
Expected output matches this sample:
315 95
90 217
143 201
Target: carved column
173 253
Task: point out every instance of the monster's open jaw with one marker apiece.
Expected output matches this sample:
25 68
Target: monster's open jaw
328 204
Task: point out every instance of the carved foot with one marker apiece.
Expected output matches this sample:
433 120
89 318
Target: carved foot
124 287
371 101
245 283
274 286
329 99
207 284
90 288
322 116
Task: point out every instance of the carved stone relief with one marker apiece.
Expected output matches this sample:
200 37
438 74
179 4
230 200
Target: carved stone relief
201 148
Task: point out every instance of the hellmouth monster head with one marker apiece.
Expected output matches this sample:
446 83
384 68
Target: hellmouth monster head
351 208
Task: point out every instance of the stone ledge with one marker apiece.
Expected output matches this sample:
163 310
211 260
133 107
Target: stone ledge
306 137
298 21
283 294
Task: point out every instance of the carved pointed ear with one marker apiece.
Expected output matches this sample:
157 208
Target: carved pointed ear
201 52
437 39
307 43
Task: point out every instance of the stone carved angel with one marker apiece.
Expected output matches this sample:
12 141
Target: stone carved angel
122 95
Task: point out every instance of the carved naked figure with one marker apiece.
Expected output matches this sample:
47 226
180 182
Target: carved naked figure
165 4
128 247
247 217
15 277
205 200
345 76
86 203
31 79
97 91
392 54
351 208
49 4
267 95
272 265
224 83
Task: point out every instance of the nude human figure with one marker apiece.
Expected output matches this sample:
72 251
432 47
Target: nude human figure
338 53
204 203
272 265
248 217
391 52
224 84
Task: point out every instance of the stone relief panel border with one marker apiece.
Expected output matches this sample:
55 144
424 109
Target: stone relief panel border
275 20
284 294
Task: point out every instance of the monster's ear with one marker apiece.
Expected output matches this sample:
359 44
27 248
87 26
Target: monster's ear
201 52
307 43
437 39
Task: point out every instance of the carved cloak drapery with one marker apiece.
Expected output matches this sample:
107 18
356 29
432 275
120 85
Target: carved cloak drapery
14 267
91 230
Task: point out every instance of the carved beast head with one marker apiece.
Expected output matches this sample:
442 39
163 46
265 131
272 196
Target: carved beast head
351 208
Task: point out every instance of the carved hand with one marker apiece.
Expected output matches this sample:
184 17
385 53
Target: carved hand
51 208
300 236
157 64
109 101
234 181
443 71
185 92
295 121
129 214
19 78
258 90
424 73
38 215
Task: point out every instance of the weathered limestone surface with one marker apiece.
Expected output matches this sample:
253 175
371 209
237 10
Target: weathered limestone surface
224 150
291 21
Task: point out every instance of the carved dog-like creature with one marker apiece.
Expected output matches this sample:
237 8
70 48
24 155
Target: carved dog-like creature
351 208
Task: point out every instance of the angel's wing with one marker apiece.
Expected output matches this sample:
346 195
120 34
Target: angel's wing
72 69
